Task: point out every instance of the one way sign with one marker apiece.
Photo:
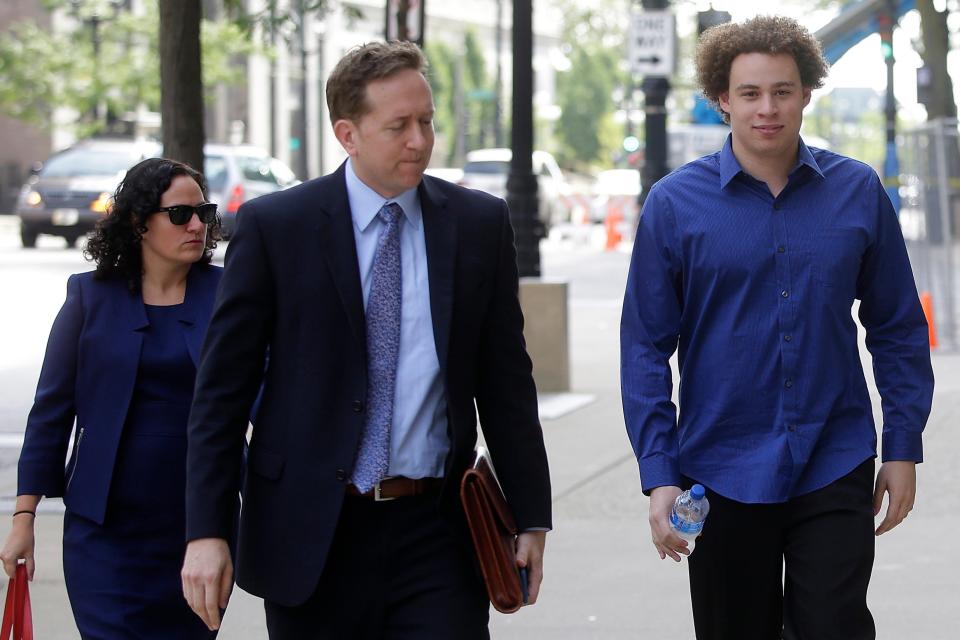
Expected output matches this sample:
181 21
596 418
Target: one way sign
653 43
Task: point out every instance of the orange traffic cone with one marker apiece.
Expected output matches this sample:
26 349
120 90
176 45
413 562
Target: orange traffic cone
612 223
926 301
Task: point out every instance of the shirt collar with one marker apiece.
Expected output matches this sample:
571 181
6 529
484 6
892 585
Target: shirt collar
365 203
730 167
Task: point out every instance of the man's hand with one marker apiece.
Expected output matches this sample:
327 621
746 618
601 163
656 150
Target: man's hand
665 539
898 479
530 555
207 577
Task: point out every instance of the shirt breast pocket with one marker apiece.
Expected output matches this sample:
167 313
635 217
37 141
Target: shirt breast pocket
836 258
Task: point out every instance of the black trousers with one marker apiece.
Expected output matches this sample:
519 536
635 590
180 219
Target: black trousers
396 570
825 542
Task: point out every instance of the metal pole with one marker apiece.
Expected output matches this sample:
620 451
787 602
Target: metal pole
321 74
655 90
521 183
304 136
891 164
498 98
98 107
943 181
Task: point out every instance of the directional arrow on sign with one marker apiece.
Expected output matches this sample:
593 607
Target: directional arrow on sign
652 43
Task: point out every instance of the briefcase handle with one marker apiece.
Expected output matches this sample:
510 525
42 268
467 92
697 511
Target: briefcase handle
17 616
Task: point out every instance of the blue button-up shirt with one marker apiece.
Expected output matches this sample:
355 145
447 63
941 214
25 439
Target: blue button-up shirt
418 437
755 293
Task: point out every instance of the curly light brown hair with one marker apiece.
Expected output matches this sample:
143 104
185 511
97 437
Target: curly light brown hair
774 35
347 84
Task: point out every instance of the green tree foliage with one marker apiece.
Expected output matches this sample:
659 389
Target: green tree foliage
480 95
463 94
593 41
440 74
45 71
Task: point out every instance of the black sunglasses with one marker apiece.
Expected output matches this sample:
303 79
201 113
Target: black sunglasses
181 213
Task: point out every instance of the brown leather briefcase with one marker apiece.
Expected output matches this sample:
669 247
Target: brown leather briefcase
494 533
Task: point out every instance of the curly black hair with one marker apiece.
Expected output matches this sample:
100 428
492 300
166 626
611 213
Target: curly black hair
115 243
774 35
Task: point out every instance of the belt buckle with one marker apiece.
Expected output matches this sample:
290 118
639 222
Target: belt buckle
377 496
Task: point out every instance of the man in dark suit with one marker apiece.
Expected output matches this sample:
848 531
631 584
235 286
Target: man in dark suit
387 302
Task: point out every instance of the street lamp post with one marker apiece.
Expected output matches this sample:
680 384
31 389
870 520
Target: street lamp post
521 183
655 90
498 98
98 110
891 165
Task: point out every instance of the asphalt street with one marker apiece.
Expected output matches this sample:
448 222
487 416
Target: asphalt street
604 580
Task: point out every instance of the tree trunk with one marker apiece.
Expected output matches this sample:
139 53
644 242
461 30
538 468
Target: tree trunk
181 83
936 46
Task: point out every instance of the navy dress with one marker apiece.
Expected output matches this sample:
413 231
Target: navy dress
123 577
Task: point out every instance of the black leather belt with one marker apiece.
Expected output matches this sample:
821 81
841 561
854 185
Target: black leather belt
398 487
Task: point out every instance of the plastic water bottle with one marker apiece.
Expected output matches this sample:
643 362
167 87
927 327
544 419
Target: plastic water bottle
689 513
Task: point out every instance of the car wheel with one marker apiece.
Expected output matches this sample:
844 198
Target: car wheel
28 238
73 239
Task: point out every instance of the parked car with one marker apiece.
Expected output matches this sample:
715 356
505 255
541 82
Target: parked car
487 170
72 189
450 174
237 173
615 191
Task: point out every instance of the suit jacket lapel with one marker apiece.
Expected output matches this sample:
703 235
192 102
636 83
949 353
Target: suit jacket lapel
440 232
196 295
339 247
133 316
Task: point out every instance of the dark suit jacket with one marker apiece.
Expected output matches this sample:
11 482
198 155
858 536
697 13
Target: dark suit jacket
292 284
89 374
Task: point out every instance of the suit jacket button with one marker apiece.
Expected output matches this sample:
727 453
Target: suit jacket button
357 406
341 475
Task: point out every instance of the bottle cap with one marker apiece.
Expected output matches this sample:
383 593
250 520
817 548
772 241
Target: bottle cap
697 492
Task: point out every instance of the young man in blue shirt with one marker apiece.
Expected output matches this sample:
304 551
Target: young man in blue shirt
748 262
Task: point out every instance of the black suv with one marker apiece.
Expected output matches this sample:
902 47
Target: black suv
72 189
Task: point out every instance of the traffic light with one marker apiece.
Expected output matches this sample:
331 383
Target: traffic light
885 27
886 46
711 18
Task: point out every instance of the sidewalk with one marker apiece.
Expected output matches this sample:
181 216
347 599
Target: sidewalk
604 580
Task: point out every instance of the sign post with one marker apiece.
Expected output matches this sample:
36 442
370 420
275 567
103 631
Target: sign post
653 55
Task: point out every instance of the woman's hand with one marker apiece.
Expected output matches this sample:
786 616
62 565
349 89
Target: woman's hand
19 545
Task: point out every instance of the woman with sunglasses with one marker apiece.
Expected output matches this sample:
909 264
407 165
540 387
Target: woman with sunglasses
120 363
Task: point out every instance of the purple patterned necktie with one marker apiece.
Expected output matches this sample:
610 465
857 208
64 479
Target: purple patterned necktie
383 347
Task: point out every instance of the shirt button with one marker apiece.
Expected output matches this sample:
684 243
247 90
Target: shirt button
792 427
788 337
788 383
357 406
341 475
781 249
776 206
784 294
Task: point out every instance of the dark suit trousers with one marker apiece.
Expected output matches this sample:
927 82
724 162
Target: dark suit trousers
825 539
397 570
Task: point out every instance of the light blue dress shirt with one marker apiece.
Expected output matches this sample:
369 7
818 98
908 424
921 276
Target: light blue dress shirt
418 440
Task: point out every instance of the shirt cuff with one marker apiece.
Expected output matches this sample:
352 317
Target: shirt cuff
658 471
532 529
902 445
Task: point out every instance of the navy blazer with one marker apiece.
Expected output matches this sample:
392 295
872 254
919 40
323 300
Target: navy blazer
89 374
292 285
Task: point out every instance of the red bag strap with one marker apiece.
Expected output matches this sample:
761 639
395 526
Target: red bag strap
17 614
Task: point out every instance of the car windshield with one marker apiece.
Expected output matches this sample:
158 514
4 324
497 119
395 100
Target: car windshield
256 169
89 162
215 172
491 167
